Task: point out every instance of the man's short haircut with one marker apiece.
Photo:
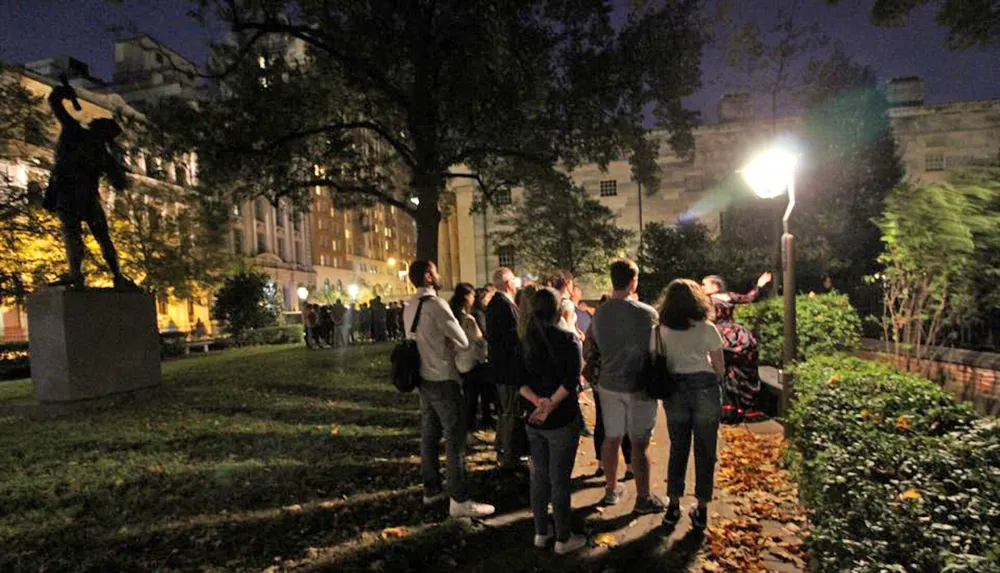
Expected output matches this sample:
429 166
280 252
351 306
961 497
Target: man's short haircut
717 280
623 272
498 277
417 271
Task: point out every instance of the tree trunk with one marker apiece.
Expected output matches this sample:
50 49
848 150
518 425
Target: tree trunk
428 217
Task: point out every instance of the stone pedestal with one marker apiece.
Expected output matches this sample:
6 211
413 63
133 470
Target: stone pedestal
92 343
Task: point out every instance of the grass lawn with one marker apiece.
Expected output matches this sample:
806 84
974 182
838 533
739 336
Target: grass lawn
264 458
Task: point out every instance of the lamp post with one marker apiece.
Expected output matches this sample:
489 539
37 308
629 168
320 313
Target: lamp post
771 174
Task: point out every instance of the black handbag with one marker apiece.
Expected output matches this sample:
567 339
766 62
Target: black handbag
404 362
655 375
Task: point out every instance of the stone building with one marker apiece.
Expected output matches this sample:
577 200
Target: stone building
932 138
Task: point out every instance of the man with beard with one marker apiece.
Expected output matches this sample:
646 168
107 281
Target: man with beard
438 333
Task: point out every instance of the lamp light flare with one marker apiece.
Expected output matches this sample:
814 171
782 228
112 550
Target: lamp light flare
303 293
770 173
352 289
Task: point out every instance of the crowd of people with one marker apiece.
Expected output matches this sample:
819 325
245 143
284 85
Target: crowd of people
518 356
338 325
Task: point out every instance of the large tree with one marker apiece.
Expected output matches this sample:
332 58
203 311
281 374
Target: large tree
970 23
850 165
556 226
443 89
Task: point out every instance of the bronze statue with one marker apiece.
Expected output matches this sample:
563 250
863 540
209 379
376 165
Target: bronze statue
82 156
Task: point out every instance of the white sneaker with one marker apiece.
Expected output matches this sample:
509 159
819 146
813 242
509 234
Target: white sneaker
542 541
470 509
574 543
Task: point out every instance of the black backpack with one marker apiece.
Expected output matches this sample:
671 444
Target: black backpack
405 358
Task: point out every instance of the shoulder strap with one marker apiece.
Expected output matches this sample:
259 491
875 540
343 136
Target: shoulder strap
416 319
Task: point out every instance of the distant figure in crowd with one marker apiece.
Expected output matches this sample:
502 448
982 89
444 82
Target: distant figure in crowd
341 327
352 323
391 324
489 399
471 361
622 327
548 362
693 349
365 322
583 311
199 329
380 322
742 381
501 332
309 312
438 335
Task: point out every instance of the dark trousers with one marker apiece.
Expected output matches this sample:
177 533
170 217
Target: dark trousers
694 409
553 453
599 434
441 416
512 440
478 389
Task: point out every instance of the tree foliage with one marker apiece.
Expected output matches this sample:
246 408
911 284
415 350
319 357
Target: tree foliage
683 251
495 87
935 237
850 166
970 24
248 299
558 226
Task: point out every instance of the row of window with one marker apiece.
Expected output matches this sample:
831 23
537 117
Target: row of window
940 161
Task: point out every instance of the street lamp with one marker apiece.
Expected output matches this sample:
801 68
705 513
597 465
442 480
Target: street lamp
391 262
303 293
769 175
352 289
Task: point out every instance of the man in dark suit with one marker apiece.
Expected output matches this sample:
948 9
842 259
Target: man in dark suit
501 332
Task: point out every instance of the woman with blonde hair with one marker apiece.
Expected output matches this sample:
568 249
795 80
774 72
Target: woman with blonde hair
688 339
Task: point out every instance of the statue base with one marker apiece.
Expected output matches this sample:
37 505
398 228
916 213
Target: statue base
91 343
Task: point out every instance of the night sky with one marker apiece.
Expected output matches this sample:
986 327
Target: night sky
86 29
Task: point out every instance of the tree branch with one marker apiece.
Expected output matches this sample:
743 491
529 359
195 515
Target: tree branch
338 187
405 152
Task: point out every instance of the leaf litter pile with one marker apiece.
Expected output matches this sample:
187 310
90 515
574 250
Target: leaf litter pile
768 520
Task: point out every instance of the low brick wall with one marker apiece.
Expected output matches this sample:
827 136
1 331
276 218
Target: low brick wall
967 375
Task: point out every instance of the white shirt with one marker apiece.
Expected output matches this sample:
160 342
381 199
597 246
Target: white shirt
687 350
468 358
438 336
566 307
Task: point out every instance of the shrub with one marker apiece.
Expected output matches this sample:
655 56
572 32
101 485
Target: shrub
825 324
172 344
15 362
247 300
291 334
900 477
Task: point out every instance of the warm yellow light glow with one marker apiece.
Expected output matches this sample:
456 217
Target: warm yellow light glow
391 261
770 173
303 293
352 289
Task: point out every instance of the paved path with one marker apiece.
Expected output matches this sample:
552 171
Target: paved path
639 542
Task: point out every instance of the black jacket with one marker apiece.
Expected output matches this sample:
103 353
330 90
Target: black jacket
501 332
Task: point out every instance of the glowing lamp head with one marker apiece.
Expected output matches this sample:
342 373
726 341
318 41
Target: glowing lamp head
770 173
303 293
352 289
391 262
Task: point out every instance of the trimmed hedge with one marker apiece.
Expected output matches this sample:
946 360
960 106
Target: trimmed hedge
900 476
824 323
14 360
173 344
289 334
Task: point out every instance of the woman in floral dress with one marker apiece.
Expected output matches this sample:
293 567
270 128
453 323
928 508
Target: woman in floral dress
742 382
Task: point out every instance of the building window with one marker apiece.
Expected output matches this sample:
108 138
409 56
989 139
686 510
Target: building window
281 249
322 260
161 303
236 210
333 244
261 243
299 252
180 175
506 256
609 188
238 241
502 197
297 222
693 183
934 162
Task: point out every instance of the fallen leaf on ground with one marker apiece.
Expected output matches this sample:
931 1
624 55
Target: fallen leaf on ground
389 532
910 494
605 540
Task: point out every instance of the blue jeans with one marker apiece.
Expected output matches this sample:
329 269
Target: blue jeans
441 414
693 408
553 453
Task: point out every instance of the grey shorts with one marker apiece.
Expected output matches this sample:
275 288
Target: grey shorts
633 413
